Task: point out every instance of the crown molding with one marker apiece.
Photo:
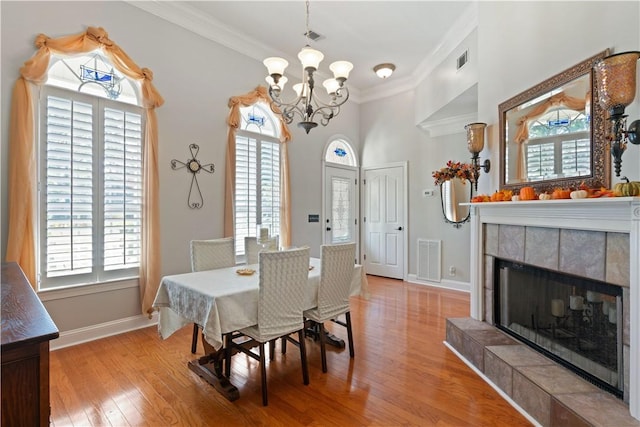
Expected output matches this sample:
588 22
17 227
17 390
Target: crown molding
448 126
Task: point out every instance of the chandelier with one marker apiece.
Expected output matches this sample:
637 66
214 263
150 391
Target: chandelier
307 104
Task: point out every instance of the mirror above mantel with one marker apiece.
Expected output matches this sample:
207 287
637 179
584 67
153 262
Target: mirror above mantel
553 134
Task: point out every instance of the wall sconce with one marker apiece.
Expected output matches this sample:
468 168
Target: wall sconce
616 82
475 144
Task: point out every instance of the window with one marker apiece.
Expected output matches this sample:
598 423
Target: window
90 164
257 194
340 152
559 145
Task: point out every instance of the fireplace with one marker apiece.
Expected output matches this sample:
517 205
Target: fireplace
573 320
588 239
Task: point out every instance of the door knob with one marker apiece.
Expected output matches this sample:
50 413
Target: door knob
328 228
399 228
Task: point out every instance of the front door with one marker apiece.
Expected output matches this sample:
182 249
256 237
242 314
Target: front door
341 204
384 221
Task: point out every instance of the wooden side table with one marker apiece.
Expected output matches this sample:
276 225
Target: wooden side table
27 329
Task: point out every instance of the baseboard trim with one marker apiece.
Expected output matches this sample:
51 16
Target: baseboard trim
102 330
445 284
504 395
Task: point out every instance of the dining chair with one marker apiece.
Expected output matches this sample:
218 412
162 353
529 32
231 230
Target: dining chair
336 272
210 255
283 276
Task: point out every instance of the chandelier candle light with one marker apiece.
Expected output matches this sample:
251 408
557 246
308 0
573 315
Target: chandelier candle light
307 104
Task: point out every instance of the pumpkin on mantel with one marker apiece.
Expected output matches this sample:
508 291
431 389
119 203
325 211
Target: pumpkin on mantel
624 189
561 193
527 193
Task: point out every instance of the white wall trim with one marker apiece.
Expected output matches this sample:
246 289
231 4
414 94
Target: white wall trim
452 285
447 126
102 330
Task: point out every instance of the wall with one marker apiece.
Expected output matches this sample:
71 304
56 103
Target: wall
389 135
196 77
539 40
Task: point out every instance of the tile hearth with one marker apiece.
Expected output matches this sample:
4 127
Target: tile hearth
548 392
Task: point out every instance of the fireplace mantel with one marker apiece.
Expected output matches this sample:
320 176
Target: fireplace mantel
619 214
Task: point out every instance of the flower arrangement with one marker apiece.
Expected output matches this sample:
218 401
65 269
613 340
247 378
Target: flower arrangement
463 171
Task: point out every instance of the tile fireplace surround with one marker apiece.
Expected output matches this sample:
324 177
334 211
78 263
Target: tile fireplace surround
596 238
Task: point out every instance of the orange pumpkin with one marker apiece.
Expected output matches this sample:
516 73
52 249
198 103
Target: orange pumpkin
498 196
561 193
527 193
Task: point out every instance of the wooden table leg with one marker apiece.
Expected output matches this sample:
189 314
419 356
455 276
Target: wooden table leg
330 339
209 368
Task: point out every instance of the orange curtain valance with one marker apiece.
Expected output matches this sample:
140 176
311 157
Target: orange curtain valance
35 69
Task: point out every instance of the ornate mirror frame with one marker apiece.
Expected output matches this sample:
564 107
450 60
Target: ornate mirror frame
600 158
453 192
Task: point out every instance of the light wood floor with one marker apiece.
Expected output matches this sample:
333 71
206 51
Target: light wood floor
402 374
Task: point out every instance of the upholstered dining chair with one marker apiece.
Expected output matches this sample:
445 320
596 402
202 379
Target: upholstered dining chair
336 272
210 255
283 277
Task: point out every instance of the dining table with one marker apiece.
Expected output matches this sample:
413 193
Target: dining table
225 300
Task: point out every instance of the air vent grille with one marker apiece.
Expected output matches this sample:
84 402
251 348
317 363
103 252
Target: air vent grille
313 36
462 59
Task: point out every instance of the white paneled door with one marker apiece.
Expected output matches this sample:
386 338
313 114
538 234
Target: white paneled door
384 221
341 205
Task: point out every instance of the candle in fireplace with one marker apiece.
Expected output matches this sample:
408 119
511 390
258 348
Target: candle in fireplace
576 302
557 307
594 296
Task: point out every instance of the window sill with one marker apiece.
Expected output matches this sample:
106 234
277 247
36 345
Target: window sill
94 288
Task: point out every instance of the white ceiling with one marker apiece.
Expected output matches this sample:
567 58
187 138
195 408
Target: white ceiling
409 34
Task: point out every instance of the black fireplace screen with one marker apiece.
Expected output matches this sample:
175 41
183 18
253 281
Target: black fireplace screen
575 321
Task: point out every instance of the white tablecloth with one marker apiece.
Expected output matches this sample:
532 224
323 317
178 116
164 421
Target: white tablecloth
223 301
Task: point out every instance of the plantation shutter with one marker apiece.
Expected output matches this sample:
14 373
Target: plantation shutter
91 189
576 157
540 160
246 204
122 189
69 182
270 186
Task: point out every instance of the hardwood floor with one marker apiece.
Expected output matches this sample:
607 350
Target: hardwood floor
402 374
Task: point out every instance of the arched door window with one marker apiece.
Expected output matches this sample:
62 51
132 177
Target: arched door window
339 151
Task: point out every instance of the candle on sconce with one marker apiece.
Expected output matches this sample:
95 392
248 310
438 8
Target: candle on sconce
576 302
613 315
594 296
557 307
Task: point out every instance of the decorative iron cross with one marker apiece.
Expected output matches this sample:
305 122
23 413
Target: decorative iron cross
193 165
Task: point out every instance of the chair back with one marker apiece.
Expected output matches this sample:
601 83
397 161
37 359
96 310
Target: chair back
283 279
212 254
336 272
251 249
